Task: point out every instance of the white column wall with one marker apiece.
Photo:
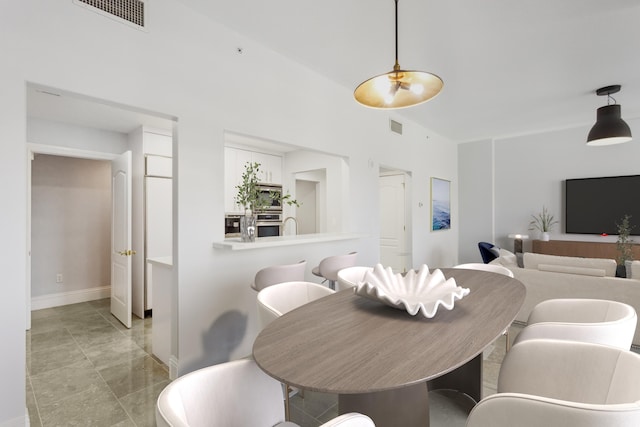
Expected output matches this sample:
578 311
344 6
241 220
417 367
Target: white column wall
181 66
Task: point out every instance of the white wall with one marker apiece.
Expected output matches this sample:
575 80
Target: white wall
529 173
71 224
99 57
475 162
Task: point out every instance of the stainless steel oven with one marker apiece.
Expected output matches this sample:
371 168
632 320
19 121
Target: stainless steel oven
266 190
269 224
232 226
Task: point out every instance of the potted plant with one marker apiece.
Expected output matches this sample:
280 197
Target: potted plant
253 200
543 222
624 245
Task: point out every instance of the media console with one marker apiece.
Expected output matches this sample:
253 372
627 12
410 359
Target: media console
580 249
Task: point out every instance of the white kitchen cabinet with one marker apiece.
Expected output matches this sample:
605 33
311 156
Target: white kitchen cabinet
151 209
270 167
161 322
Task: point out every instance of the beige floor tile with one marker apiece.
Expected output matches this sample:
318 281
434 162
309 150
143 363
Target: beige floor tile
56 385
133 375
54 358
141 404
40 341
95 406
114 353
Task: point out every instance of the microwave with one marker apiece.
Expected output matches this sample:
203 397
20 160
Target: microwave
266 190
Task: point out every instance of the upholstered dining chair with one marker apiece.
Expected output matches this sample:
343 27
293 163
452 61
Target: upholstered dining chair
329 267
350 276
555 383
488 251
277 274
589 320
235 393
278 299
492 268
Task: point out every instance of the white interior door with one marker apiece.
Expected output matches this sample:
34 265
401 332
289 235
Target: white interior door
392 222
121 251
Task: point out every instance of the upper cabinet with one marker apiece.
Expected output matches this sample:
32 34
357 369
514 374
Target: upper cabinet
235 160
270 167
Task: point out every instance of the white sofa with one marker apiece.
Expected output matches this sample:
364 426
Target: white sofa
549 276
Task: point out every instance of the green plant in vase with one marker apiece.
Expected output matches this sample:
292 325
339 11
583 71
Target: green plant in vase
543 222
624 244
253 200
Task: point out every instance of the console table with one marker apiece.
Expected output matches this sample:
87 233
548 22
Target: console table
580 249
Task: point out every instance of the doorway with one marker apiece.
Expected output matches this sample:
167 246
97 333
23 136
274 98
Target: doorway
74 126
394 220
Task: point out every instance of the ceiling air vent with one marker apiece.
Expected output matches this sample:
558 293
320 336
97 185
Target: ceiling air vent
395 126
131 11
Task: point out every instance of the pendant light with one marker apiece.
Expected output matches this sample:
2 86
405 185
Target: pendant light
398 88
609 128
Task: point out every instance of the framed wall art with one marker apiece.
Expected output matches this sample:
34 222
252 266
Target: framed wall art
440 204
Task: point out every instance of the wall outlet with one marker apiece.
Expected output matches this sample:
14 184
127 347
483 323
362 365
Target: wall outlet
59 278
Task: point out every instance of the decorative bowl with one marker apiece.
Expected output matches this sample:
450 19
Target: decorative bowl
422 292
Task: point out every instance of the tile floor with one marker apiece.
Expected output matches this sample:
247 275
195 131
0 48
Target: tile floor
85 369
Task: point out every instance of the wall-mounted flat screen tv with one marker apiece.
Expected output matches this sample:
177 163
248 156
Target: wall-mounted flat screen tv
596 205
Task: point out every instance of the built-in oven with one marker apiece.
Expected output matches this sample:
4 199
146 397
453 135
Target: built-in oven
232 226
269 224
267 191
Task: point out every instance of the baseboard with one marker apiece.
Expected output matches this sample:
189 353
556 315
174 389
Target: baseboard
71 297
173 367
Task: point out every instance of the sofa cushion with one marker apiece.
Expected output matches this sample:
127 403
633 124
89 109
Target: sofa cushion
584 271
532 260
506 258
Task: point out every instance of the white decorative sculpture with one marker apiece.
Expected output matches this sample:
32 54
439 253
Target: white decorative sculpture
415 292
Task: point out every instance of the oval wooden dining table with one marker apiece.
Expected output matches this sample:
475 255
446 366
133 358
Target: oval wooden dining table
382 361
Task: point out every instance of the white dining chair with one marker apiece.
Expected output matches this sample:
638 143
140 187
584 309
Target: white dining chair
278 299
350 276
277 274
236 393
492 268
596 321
329 267
556 383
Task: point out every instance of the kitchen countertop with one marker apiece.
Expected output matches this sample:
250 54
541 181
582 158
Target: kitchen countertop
235 244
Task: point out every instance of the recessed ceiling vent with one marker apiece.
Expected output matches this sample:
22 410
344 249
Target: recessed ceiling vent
131 11
395 126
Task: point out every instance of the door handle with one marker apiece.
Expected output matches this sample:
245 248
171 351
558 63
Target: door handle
127 252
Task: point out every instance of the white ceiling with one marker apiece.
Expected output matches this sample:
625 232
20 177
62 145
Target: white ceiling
509 67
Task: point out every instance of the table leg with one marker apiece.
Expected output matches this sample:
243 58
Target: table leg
465 379
407 406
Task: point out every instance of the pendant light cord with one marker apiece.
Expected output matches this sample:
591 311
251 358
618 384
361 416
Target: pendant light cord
396 67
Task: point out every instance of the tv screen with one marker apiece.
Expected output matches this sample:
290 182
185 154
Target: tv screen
596 205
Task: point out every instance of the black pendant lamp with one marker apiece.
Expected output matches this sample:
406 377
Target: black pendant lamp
609 128
398 88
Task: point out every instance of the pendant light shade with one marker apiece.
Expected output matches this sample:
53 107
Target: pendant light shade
398 88
609 128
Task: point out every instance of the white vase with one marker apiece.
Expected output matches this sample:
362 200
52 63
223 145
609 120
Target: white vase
544 236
